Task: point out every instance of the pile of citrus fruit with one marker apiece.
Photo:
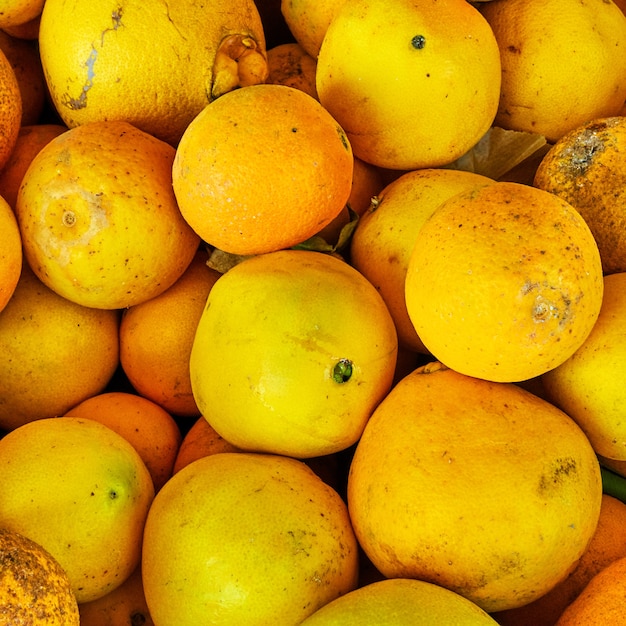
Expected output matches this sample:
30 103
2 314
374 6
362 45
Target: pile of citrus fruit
312 312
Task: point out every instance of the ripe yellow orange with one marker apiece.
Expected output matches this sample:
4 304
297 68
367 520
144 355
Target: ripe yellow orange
587 168
295 180
18 12
480 487
292 353
385 235
400 602
10 254
607 545
30 140
542 90
602 601
151 64
589 386
156 338
53 353
124 606
245 538
99 220
526 297
82 492
10 109
398 76
34 588
150 429
308 21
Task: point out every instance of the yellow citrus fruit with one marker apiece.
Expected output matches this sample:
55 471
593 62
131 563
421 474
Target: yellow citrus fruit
542 90
10 109
104 232
607 545
400 602
398 76
156 338
308 21
480 487
150 429
385 235
602 601
124 606
587 168
289 64
53 353
589 386
245 538
34 588
292 353
18 12
10 254
30 140
152 64
526 296
294 181
82 492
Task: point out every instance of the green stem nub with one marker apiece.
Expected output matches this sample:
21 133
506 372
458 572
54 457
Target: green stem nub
342 371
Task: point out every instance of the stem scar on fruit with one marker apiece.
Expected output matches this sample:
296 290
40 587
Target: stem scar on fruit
418 42
342 371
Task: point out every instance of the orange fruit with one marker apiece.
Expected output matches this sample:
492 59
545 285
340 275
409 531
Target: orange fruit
414 58
480 487
587 168
153 65
400 602
82 492
28 30
53 353
602 601
156 338
11 254
18 12
292 353
10 109
24 58
200 440
294 182
526 297
30 140
151 430
104 232
245 538
589 386
385 235
34 588
607 545
289 64
367 182
308 21
542 91
124 606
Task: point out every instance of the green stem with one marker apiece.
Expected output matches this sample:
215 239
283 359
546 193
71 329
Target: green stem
613 484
